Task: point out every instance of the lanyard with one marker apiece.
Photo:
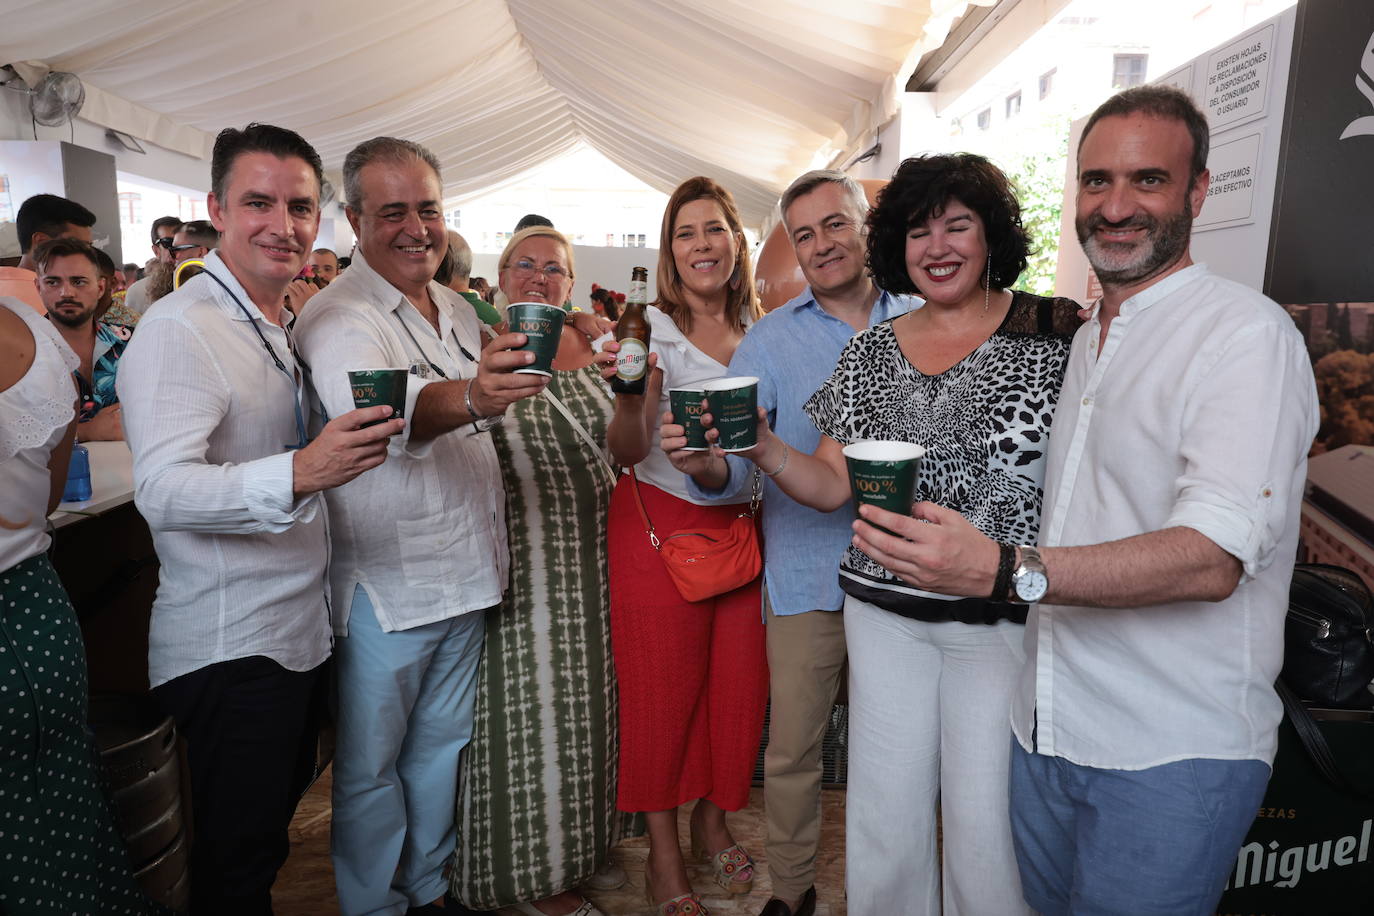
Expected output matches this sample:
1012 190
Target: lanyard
440 372
302 440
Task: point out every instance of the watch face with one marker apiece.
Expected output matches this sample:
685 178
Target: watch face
1031 586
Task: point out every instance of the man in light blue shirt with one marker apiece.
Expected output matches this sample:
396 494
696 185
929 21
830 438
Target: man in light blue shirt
792 352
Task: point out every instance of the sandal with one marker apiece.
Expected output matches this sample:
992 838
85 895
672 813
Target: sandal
732 868
681 905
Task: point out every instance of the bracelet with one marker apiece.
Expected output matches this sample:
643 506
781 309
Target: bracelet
786 452
1006 563
467 402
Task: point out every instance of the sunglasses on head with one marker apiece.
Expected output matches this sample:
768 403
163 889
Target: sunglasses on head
176 248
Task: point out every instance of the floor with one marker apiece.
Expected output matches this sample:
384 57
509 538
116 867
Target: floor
305 886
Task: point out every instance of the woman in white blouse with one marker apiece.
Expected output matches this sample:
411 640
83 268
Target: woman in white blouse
693 676
48 776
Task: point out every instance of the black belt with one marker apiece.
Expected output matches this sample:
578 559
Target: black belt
935 610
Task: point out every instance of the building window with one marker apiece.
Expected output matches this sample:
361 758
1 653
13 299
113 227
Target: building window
1047 84
130 208
641 240
985 119
1013 105
1128 70
455 219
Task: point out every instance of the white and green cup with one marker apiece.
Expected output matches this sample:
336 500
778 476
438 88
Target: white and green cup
542 325
687 411
733 405
376 387
883 473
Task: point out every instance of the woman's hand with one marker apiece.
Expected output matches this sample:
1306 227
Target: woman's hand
703 466
612 347
934 548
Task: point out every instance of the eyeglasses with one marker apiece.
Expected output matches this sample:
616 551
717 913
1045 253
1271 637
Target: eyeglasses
524 267
176 248
164 242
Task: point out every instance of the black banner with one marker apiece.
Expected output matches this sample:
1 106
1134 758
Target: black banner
1321 242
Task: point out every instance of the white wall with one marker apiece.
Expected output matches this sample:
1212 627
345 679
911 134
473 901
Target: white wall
158 164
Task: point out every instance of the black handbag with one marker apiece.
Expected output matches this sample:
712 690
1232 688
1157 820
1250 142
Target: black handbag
1328 653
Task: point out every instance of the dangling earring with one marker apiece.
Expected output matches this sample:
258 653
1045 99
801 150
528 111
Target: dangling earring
734 277
987 287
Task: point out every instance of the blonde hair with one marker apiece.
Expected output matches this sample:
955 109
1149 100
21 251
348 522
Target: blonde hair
741 299
547 232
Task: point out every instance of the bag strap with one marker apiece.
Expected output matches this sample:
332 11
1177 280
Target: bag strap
1314 742
644 516
578 428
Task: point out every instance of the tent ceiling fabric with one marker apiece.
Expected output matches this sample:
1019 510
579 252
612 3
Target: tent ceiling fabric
750 93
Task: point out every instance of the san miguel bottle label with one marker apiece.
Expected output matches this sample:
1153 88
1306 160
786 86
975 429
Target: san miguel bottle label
632 359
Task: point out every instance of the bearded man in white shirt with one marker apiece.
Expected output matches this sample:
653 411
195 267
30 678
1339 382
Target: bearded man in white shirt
1146 719
229 482
419 547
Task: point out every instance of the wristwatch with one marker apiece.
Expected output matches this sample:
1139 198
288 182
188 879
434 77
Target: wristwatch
1030 581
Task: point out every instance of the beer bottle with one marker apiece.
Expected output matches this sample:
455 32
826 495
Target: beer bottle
632 331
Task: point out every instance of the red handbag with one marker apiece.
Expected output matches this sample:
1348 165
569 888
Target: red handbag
706 562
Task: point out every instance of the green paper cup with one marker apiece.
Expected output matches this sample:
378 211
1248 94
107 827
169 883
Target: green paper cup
543 325
733 405
883 474
376 387
687 411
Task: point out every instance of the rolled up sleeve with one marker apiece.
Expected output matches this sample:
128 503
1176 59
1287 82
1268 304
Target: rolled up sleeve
1250 422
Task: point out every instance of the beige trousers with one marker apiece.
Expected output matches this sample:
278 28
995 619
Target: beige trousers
806 655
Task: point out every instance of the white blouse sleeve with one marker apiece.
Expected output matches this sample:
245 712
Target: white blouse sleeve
44 400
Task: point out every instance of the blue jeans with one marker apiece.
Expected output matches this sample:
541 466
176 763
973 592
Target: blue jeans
405 712
1163 840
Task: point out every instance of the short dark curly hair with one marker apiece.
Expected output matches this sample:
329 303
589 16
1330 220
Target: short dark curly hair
921 188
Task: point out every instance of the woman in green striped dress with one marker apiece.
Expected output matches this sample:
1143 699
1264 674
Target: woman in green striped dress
537 787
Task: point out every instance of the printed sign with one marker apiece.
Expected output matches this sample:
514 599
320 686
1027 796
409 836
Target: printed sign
1231 195
1238 79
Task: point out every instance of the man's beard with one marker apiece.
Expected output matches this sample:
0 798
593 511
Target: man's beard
70 321
1128 263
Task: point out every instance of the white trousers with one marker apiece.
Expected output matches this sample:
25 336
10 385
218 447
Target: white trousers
929 726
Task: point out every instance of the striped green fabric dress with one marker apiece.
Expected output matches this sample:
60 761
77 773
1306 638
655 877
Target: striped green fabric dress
537 788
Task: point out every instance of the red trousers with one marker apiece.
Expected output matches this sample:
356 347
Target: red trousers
693 676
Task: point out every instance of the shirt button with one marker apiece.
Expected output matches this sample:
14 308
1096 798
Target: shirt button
1087 402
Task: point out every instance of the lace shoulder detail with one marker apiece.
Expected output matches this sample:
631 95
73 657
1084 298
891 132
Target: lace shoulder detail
43 401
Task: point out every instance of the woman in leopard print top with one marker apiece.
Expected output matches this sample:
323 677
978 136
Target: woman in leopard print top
973 376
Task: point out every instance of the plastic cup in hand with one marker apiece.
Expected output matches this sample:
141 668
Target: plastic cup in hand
733 405
687 411
542 325
883 473
378 387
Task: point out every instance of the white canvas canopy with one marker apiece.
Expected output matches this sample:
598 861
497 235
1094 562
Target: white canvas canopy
750 93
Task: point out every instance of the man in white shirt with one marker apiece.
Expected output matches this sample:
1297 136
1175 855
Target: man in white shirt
164 229
229 483
420 544
1146 718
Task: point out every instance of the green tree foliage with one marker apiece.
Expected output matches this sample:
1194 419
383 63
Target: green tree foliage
1039 175
1345 384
